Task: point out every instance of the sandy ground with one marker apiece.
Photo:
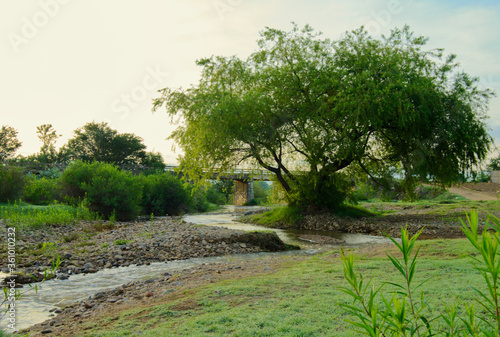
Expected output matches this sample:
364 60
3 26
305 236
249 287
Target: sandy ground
477 191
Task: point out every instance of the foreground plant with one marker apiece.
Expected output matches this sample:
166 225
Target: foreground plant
407 313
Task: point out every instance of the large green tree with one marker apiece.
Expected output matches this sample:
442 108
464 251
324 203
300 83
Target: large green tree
98 142
8 142
308 109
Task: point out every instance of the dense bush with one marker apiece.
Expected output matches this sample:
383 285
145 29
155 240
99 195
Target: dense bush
42 191
12 181
224 188
164 194
73 179
215 196
198 201
106 189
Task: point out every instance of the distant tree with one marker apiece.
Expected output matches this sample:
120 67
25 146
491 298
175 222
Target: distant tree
494 164
307 109
224 187
98 142
8 142
154 161
261 191
48 136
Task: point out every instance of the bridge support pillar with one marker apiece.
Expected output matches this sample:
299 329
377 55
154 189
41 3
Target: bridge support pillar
243 192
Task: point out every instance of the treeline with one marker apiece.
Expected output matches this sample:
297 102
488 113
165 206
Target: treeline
111 192
91 142
110 173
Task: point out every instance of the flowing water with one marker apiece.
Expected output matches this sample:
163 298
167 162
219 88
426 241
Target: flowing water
34 307
227 218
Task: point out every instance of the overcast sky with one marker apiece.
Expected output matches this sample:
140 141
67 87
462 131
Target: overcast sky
70 62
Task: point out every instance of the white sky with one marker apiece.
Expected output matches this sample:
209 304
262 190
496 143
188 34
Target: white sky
70 62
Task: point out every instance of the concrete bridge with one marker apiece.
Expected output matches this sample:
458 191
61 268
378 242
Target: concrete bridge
243 182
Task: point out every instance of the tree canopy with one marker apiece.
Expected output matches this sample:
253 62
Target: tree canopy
310 109
98 142
8 142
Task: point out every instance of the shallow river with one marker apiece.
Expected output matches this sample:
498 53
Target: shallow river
34 307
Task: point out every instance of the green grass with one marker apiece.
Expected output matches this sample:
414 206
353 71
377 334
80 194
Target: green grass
288 216
282 216
29 216
301 300
121 242
354 211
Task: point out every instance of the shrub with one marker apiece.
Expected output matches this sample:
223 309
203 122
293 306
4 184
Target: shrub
12 181
42 191
73 179
111 191
214 196
51 173
198 201
164 194
251 202
105 188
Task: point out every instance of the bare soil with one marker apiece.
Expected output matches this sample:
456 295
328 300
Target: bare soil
477 191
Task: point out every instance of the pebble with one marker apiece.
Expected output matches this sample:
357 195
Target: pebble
159 241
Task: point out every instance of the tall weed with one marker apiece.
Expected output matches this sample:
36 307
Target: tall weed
407 313
23 216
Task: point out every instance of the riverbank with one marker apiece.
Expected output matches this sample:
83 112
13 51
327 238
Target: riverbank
91 246
108 309
438 219
280 295
78 318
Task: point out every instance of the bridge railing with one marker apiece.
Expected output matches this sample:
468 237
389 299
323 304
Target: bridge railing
236 174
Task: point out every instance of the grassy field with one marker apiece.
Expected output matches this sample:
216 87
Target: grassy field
24 215
301 299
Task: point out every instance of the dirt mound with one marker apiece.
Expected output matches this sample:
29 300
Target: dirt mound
482 187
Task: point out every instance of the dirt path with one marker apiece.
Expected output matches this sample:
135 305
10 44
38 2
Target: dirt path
473 195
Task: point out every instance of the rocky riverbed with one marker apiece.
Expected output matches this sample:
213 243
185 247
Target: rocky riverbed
92 246
75 319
